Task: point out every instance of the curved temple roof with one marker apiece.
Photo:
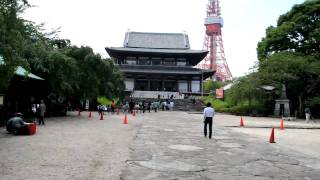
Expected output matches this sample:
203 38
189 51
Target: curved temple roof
156 40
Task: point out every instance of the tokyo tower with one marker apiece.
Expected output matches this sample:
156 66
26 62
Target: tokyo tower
215 59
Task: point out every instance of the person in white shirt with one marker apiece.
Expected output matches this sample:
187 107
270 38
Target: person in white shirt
208 114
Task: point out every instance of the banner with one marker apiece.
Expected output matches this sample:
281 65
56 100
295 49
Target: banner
219 93
1 100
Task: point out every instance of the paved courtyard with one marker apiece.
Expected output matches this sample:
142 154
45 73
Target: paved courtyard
163 145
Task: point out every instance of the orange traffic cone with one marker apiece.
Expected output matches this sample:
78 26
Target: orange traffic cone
90 114
101 116
241 122
125 119
281 125
271 140
134 113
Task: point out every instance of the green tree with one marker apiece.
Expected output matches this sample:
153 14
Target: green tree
99 77
68 70
300 73
11 38
296 31
211 86
290 54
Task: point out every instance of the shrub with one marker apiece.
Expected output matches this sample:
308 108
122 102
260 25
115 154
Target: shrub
105 101
216 103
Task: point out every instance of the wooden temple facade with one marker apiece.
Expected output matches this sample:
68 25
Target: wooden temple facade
159 62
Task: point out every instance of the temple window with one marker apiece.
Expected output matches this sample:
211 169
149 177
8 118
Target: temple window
169 61
156 61
181 62
131 60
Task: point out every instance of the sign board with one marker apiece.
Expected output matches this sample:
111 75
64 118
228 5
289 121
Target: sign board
1 100
219 93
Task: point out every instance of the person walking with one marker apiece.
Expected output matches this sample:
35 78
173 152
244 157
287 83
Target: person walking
42 111
113 107
208 114
131 106
149 106
143 106
99 108
308 114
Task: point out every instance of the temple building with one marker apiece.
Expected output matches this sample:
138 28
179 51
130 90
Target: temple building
160 62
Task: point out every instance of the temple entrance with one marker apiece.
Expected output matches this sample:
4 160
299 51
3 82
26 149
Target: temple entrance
141 85
170 86
281 109
156 86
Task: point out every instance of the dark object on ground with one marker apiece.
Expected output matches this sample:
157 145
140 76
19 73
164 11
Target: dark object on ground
17 126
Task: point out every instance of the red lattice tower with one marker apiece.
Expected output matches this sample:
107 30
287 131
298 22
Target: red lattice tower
215 59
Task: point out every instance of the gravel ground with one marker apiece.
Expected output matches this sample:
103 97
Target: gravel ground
70 147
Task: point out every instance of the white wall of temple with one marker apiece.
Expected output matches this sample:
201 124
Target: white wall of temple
183 86
195 86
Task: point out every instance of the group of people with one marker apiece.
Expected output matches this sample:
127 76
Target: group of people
39 111
149 106
16 125
110 109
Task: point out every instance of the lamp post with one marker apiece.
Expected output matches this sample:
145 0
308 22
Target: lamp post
201 82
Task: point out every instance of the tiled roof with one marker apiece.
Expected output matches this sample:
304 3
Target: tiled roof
157 40
20 71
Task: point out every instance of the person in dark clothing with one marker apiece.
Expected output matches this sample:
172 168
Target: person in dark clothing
100 109
143 106
131 106
16 125
149 106
208 114
113 106
42 109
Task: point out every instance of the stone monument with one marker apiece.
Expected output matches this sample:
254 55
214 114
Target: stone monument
282 106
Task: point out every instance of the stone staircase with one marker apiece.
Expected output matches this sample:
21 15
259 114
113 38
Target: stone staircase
188 105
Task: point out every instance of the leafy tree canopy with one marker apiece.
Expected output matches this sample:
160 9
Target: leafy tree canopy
290 54
69 70
296 31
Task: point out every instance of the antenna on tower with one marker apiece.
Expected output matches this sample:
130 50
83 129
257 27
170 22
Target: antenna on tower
215 59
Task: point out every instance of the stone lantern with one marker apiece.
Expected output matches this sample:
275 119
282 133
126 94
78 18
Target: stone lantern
282 106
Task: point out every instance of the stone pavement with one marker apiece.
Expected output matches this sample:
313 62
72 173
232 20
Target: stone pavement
171 146
68 148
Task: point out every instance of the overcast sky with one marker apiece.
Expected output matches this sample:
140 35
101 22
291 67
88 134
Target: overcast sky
101 23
